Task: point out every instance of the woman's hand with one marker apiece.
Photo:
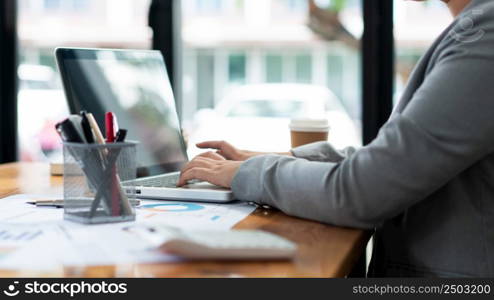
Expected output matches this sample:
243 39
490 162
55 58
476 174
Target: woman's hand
226 151
216 171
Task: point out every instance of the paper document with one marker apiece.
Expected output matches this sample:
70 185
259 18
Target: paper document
14 238
37 238
15 210
188 215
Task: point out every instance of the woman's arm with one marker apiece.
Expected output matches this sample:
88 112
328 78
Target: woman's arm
225 150
447 127
321 151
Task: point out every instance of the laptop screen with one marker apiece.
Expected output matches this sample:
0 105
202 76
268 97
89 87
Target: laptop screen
135 86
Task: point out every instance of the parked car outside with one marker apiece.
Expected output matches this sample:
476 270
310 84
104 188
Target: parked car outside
256 117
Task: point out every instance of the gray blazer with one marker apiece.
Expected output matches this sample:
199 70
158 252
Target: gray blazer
426 183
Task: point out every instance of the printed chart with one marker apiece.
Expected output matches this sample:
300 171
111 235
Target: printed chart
194 215
172 207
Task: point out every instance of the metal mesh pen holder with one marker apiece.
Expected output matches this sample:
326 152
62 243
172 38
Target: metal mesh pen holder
98 182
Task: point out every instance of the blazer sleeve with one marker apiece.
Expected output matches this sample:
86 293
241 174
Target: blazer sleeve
322 151
447 127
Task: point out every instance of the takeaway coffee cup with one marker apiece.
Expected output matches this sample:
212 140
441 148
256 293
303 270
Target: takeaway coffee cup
307 131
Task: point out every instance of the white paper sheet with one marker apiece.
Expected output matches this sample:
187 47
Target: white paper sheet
44 241
15 210
14 238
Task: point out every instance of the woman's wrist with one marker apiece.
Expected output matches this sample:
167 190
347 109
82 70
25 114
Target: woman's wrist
250 154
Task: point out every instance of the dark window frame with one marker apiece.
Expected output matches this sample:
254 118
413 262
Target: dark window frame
165 21
378 62
8 81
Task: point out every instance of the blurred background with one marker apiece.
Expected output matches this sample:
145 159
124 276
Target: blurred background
246 67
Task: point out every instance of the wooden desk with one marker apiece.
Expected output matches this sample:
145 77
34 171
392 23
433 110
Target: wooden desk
324 251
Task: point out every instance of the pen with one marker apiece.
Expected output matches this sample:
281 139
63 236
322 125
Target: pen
96 130
110 122
121 135
68 132
60 203
76 121
111 127
86 127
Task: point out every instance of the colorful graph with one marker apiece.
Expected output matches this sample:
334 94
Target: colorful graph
172 207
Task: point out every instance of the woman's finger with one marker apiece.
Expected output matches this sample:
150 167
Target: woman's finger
212 155
198 162
210 145
194 173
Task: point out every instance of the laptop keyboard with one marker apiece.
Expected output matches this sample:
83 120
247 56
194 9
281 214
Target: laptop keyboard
162 181
167 181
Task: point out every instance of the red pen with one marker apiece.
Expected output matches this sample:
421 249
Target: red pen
111 135
111 127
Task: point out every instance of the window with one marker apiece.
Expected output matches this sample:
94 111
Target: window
66 5
261 57
288 67
52 4
274 68
46 24
205 79
303 68
208 6
297 5
236 68
335 74
80 4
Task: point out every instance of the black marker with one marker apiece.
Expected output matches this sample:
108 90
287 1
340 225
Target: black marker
68 132
121 135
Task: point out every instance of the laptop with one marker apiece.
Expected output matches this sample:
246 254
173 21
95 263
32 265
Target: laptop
134 84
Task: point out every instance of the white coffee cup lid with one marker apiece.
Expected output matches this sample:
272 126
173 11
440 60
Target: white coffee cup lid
309 125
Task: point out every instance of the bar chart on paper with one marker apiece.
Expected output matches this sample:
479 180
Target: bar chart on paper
16 236
193 215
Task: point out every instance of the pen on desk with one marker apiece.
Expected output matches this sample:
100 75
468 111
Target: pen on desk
47 203
60 203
